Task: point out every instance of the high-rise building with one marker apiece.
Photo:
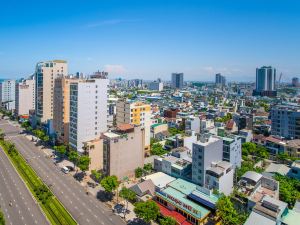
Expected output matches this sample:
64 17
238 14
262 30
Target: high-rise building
88 109
295 82
177 80
232 150
220 80
61 107
25 97
123 150
156 85
205 151
285 121
265 81
45 74
8 94
136 113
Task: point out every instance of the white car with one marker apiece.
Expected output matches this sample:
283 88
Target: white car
65 170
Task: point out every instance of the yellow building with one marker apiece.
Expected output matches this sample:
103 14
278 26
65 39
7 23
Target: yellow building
135 113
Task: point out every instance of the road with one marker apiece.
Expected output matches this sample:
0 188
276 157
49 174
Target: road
84 208
24 210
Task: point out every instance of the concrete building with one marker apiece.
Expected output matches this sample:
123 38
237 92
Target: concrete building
123 150
220 80
177 80
8 94
135 113
88 109
205 151
265 81
25 97
295 82
45 74
61 107
232 150
219 176
156 86
193 123
286 121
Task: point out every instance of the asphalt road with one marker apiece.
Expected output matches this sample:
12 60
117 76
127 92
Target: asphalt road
84 208
24 210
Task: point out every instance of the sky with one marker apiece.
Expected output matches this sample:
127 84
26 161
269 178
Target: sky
150 39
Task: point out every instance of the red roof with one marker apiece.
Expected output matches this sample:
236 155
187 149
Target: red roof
177 216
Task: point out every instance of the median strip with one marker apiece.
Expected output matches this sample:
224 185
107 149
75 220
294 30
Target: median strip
52 207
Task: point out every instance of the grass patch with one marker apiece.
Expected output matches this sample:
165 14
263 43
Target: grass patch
53 209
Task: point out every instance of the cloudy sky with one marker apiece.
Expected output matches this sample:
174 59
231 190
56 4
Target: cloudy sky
152 38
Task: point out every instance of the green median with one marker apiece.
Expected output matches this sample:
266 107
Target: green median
54 210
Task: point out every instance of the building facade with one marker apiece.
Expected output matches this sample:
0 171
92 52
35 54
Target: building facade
177 80
285 121
232 150
156 86
220 80
45 74
88 110
8 94
25 97
135 113
205 152
265 81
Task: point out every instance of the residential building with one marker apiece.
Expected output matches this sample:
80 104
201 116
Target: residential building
136 113
295 170
88 109
207 150
265 81
156 85
219 176
285 121
25 97
220 80
292 148
232 150
8 94
135 83
45 74
177 80
295 82
61 107
192 123
123 150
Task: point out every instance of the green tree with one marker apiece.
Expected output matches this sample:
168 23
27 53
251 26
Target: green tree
282 156
148 167
74 157
262 152
84 162
173 131
157 149
96 175
61 150
128 195
153 140
2 220
147 211
249 147
138 172
2 135
110 183
167 221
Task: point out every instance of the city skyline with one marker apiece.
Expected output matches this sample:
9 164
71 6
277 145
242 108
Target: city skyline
153 39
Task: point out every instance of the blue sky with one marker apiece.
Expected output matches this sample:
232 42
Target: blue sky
152 38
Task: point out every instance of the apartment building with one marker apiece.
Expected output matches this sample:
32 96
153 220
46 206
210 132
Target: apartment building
135 113
123 150
25 97
61 107
45 74
286 121
207 150
232 150
8 94
88 109
156 85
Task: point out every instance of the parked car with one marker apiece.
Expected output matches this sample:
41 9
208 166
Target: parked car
65 170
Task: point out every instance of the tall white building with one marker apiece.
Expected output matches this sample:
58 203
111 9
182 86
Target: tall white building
8 94
88 109
232 150
206 151
25 97
156 85
45 74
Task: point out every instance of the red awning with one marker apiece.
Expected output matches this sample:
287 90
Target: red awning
177 216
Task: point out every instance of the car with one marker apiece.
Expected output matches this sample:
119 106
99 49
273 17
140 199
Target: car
65 170
71 168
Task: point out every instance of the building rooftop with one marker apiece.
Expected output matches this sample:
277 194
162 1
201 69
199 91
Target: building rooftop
291 218
251 175
159 179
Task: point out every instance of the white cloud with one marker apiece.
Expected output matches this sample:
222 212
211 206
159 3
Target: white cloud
115 69
224 70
